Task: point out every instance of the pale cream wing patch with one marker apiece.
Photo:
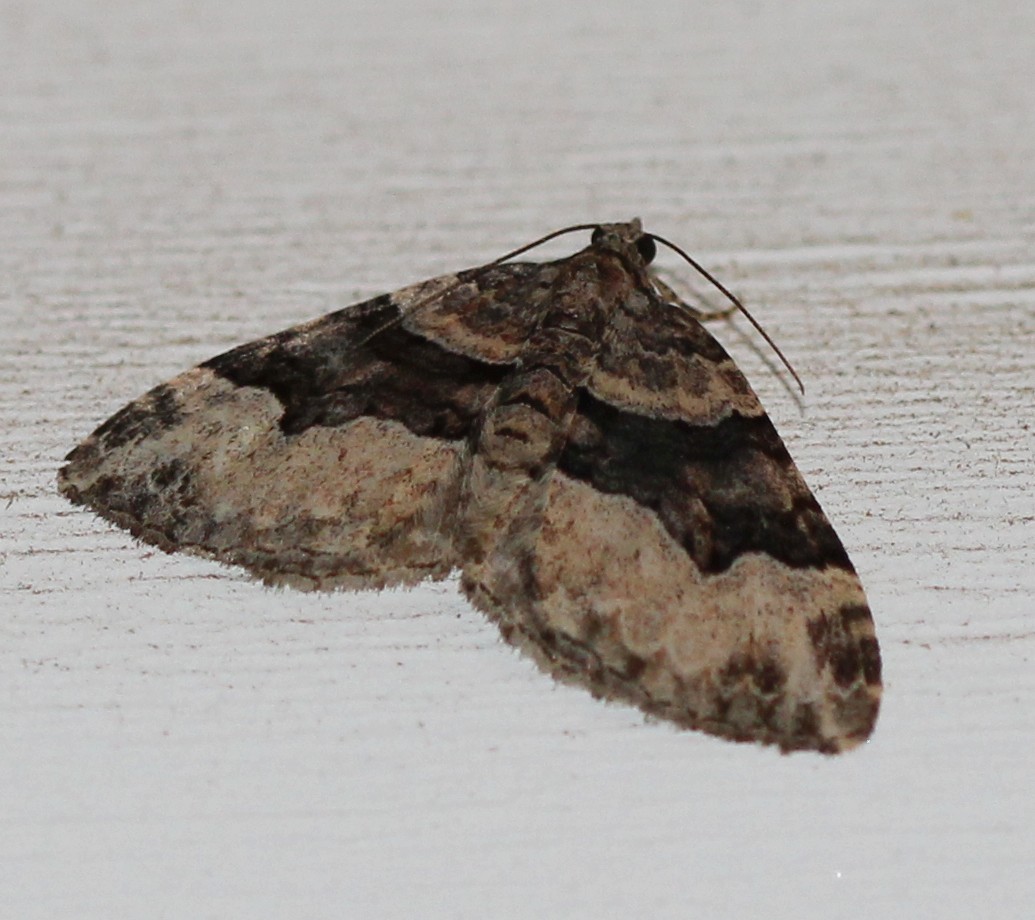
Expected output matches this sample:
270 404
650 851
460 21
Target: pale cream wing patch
732 653
364 504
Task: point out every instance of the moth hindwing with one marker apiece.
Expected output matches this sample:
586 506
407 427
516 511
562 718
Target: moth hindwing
564 434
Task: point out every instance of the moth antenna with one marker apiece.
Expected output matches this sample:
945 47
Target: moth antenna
732 299
543 239
451 287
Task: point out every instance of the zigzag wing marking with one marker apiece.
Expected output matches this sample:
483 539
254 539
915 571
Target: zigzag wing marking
681 562
328 455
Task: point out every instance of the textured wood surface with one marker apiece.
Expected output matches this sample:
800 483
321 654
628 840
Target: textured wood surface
180 742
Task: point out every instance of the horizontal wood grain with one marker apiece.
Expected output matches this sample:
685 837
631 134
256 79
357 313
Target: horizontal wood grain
176 179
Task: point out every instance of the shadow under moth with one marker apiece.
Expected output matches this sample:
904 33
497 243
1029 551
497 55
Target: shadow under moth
569 436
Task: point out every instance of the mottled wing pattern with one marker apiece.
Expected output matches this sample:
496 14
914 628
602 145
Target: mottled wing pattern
584 451
328 455
683 564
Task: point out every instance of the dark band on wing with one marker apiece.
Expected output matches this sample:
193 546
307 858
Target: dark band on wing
720 490
329 378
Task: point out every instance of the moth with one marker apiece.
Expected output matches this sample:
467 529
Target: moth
565 434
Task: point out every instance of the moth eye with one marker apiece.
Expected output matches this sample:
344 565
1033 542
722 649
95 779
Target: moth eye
597 236
645 246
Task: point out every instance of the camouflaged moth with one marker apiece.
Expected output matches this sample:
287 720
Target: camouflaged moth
566 434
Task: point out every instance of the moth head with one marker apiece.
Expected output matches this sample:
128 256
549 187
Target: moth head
625 237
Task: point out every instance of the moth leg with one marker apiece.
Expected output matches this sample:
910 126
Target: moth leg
702 316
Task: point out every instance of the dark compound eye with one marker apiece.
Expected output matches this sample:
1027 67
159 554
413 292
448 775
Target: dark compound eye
597 236
646 248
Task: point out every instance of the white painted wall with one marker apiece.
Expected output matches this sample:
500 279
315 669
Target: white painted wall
176 741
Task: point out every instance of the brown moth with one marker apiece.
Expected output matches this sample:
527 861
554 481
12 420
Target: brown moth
566 434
